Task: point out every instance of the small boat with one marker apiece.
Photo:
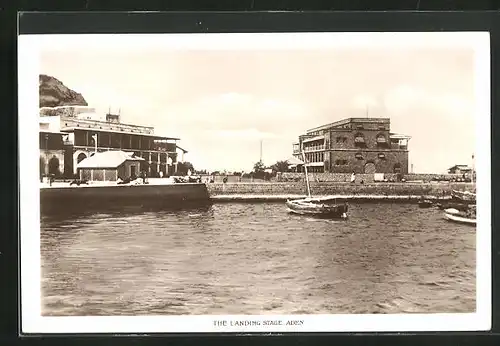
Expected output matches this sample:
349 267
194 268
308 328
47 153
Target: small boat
316 206
425 203
453 205
460 219
308 206
463 196
455 215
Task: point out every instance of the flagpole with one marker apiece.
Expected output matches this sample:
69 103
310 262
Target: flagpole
472 175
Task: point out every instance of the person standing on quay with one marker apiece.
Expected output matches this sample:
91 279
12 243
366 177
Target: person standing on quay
353 177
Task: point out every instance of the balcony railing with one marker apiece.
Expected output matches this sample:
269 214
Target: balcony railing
399 146
314 148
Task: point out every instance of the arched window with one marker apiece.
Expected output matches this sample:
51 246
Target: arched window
381 141
397 168
359 140
80 157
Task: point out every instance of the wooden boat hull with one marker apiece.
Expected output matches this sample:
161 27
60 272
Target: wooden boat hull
455 205
424 204
306 207
460 219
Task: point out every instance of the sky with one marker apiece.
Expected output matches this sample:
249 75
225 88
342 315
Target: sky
223 102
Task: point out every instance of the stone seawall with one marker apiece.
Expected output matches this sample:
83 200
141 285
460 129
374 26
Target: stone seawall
266 191
103 198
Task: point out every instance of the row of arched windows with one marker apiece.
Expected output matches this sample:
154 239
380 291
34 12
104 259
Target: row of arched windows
359 140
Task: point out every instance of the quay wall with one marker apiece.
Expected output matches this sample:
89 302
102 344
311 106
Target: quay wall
118 196
435 189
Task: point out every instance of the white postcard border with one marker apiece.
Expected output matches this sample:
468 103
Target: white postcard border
28 70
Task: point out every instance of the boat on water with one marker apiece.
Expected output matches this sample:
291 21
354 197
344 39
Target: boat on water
459 216
308 206
463 196
453 205
316 206
425 203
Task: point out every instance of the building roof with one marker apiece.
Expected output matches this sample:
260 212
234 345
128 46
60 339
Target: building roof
52 131
108 159
92 129
399 136
294 161
459 167
184 150
350 120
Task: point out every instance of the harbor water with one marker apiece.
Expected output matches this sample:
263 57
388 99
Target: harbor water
255 258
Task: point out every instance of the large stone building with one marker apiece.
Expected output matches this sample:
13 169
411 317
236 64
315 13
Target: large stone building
361 145
77 132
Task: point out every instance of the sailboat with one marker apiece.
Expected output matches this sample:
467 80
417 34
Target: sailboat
316 206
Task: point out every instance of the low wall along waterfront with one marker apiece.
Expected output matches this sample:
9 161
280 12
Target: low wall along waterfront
367 178
276 190
55 199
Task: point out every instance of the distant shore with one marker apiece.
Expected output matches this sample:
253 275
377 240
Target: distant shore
401 192
350 198
159 190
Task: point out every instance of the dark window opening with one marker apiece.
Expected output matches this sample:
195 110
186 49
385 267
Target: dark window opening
382 141
359 140
397 168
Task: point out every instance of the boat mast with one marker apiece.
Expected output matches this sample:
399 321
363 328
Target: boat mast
307 175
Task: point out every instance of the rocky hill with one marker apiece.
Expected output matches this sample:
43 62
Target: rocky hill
54 93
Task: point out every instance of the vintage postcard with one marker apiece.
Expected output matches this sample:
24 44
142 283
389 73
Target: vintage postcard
288 182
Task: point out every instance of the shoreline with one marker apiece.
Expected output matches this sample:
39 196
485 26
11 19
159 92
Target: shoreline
179 194
349 198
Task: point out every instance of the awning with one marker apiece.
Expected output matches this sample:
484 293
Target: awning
399 136
315 138
108 159
381 139
294 161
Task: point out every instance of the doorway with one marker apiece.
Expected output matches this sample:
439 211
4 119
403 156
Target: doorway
54 166
370 168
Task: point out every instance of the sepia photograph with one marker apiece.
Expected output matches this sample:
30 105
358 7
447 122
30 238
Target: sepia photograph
305 182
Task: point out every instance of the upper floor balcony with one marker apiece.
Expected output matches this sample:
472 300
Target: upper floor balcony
314 148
